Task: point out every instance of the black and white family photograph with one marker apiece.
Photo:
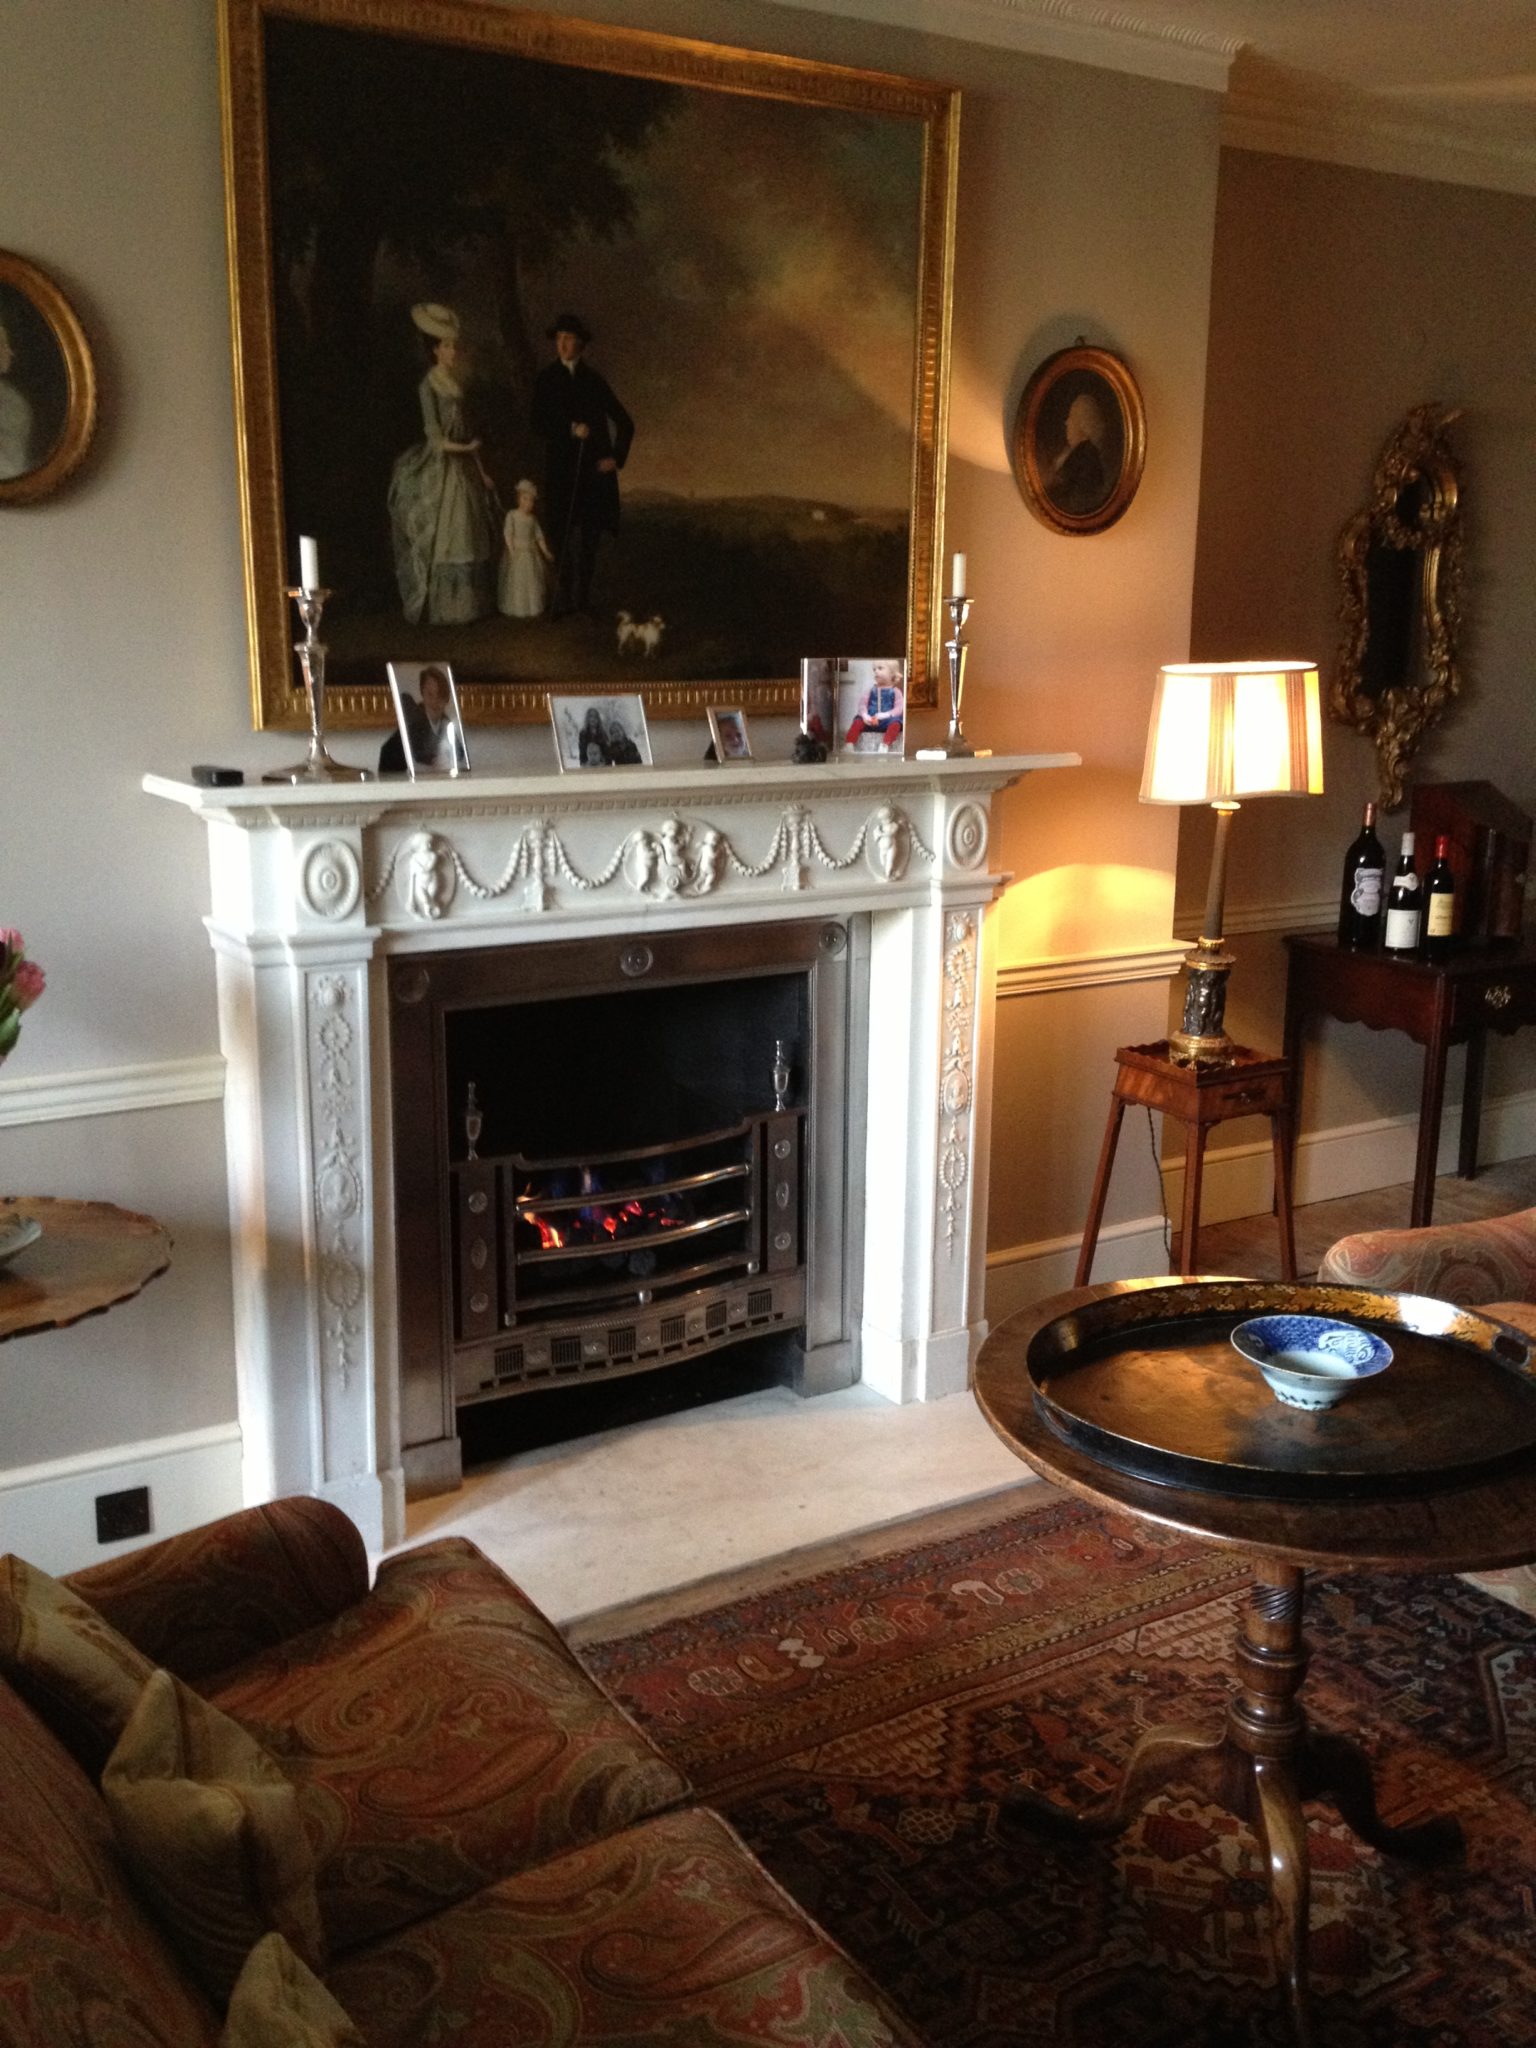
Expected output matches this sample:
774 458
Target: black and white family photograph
600 732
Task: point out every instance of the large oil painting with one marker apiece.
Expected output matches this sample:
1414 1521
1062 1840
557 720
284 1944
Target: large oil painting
591 359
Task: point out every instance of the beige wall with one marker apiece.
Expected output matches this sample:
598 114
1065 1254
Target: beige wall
1086 206
1340 299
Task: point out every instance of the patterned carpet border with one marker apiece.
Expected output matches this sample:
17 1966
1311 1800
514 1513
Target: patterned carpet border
863 1725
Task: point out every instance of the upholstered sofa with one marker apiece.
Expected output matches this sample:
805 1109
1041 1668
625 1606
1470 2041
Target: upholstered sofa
498 1854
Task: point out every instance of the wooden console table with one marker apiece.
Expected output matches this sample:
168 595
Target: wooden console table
90 1256
1437 1003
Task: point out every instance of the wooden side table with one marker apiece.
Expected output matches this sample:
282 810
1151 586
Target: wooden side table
90 1256
1248 1084
1438 1004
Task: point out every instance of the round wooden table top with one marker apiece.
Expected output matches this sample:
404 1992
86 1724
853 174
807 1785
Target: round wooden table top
90 1256
1475 1527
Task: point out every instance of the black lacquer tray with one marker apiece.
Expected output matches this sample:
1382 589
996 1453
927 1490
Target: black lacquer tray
1147 1381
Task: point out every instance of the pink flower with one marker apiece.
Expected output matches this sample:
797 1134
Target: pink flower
27 983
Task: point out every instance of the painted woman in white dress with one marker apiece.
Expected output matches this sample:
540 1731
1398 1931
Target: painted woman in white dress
441 506
523 585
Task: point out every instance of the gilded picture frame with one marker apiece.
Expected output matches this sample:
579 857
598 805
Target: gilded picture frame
1079 440
1401 565
744 338
47 384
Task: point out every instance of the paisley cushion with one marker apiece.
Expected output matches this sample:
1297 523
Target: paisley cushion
442 1736
79 1674
279 2002
80 1961
670 1932
211 1831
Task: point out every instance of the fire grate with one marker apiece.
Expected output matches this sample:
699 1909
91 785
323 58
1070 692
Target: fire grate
611 1264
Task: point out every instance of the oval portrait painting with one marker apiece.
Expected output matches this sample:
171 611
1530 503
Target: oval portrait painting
1079 440
47 386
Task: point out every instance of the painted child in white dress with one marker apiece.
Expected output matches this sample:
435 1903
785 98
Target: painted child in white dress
523 584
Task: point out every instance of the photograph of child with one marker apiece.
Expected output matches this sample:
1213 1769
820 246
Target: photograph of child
728 728
600 732
522 582
430 738
872 707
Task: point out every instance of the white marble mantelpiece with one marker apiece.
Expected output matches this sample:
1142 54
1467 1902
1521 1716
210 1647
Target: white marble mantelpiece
315 889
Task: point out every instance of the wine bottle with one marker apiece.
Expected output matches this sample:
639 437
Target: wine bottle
1365 874
1403 900
1440 904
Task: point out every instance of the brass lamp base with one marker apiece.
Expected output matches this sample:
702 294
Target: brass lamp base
1202 1039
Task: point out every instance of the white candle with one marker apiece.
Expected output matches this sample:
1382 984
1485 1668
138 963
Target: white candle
957 577
309 563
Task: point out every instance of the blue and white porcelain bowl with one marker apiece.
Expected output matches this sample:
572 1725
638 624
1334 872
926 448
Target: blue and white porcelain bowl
1311 1361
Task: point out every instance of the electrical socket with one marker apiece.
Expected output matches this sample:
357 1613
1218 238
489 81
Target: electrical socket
119 1515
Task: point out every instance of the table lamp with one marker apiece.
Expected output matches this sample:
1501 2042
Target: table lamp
1222 731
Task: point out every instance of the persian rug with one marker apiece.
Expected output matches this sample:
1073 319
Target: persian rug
862 1725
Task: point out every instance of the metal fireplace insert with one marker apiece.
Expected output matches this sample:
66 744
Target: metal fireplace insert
602 1156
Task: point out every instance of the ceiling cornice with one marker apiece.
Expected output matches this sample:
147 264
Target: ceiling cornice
1267 106
1111 38
1286 115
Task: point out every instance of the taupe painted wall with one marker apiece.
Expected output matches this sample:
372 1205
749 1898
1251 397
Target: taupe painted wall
1340 299
1086 206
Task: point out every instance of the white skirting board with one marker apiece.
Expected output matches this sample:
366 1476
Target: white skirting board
1239 1181
48 1511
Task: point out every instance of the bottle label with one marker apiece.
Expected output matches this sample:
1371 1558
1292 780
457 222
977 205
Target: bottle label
1365 895
1402 934
1442 916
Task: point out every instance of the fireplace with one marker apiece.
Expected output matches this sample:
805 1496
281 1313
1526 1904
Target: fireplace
608 1157
840 909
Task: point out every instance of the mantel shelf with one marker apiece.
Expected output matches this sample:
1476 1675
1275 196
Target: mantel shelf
258 803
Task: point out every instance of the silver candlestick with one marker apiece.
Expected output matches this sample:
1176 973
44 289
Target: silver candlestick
317 765
956 746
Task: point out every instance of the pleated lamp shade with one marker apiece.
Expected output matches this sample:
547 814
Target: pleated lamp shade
1221 731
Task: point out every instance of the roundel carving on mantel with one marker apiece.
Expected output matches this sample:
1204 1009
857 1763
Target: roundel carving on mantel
330 879
968 836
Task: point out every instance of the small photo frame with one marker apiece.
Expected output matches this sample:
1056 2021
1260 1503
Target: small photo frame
430 738
872 707
728 730
599 732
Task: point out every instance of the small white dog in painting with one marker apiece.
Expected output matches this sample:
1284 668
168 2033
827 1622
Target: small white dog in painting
648 633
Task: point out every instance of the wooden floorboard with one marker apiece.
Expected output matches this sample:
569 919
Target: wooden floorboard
1250 1246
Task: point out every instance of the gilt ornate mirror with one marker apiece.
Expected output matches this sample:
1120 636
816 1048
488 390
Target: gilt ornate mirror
1400 567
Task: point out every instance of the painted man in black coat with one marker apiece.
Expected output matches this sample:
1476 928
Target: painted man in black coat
586 435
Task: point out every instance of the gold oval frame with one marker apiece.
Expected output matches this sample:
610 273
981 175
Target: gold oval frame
55 311
1398 716
1024 452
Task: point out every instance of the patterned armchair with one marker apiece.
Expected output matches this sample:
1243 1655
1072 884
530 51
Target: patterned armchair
1489 1265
